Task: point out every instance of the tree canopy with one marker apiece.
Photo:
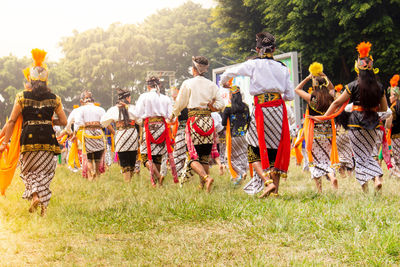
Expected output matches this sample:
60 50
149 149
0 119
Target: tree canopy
323 31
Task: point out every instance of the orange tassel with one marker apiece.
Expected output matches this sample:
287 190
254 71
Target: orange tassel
38 56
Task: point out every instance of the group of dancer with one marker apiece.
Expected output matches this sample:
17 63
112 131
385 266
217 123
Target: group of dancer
184 132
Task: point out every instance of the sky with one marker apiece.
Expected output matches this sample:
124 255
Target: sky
27 24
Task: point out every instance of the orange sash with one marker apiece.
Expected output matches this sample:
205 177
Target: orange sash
229 149
9 157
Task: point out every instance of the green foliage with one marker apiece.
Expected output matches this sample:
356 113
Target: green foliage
324 31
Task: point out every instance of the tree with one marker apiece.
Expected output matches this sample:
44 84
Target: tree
324 31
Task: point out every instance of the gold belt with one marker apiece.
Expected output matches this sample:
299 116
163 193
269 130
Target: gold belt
198 112
156 119
395 136
38 122
93 125
266 97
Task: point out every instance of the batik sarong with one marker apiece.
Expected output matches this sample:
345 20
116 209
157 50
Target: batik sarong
37 171
363 143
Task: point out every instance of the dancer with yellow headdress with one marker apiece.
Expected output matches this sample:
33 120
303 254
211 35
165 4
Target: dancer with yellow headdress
38 143
367 97
320 137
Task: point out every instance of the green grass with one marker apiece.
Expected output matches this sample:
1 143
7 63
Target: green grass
109 222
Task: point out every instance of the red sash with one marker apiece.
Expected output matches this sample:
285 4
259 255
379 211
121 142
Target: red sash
283 155
165 136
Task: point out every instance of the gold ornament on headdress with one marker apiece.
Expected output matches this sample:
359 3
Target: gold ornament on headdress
361 63
38 70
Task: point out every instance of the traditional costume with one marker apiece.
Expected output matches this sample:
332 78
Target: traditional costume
88 119
126 134
268 134
236 122
154 108
38 140
395 129
363 131
195 94
180 150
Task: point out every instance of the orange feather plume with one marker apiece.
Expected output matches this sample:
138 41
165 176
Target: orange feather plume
38 56
363 49
395 80
338 88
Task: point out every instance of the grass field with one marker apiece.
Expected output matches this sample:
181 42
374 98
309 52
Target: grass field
109 222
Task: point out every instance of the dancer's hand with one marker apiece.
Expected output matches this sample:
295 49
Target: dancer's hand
315 118
3 147
211 106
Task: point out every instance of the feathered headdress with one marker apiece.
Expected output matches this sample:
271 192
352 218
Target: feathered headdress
365 60
338 88
393 85
38 70
316 68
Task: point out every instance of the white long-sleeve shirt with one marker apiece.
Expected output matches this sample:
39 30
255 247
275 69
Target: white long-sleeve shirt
217 121
153 104
71 120
197 92
112 115
88 113
266 76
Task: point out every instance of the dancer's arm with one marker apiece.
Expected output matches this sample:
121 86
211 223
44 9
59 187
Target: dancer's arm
383 104
337 103
299 89
9 127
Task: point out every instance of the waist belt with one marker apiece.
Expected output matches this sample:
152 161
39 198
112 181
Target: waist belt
156 119
199 112
360 108
266 97
93 125
121 124
38 122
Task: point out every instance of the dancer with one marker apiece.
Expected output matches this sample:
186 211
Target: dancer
93 140
367 97
268 134
319 152
236 118
393 123
154 108
200 96
38 142
127 132
180 150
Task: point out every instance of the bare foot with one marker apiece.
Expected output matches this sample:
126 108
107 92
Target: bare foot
267 191
335 183
209 182
378 184
161 180
43 211
34 204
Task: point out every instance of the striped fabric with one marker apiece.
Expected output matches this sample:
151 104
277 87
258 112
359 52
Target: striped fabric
93 145
156 129
126 140
205 123
378 143
363 143
396 156
239 155
180 151
344 150
37 171
272 127
321 150
255 185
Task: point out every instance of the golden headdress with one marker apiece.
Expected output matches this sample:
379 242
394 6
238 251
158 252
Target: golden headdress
315 70
365 60
38 70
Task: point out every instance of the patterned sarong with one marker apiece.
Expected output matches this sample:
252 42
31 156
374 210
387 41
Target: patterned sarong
363 142
180 151
37 171
239 155
321 150
344 150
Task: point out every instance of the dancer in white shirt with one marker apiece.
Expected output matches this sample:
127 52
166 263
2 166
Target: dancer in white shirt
127 133
93 141
268 134
154 108
200 96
